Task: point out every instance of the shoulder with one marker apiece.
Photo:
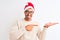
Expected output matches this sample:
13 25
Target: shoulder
14 25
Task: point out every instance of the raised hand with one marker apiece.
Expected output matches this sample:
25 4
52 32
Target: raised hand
50 24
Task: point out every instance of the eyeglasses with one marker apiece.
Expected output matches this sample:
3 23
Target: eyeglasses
29 11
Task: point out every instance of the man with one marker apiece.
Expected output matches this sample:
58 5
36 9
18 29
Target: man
26 29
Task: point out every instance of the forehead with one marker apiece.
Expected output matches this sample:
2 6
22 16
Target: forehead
30 9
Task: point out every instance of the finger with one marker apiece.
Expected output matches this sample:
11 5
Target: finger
55 23
33 25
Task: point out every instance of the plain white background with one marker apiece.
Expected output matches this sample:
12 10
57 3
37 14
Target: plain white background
45 11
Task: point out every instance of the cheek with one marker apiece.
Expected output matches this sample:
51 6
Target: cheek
31 15
25 13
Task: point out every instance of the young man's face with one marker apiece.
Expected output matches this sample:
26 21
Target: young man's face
28 13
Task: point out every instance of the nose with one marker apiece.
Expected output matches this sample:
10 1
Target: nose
28 14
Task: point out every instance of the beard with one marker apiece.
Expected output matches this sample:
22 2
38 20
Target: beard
28 18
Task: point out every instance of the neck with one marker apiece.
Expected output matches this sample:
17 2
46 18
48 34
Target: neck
26 19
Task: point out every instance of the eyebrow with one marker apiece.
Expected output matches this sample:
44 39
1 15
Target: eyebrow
28 11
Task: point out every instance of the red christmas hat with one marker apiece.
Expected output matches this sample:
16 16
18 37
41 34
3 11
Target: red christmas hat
30 5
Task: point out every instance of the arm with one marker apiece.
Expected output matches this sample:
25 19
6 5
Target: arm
41 34
15 32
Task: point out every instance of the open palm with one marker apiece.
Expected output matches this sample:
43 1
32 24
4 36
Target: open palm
49 24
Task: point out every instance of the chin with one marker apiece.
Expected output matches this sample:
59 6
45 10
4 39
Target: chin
29 18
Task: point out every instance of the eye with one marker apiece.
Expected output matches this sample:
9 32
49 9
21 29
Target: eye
26 11
31 11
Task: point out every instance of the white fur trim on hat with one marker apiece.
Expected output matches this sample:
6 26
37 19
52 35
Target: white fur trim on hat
29 7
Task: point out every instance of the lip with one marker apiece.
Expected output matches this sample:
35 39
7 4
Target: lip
28 16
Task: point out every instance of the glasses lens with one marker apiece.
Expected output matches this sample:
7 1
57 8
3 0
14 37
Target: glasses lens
29 11
26 11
